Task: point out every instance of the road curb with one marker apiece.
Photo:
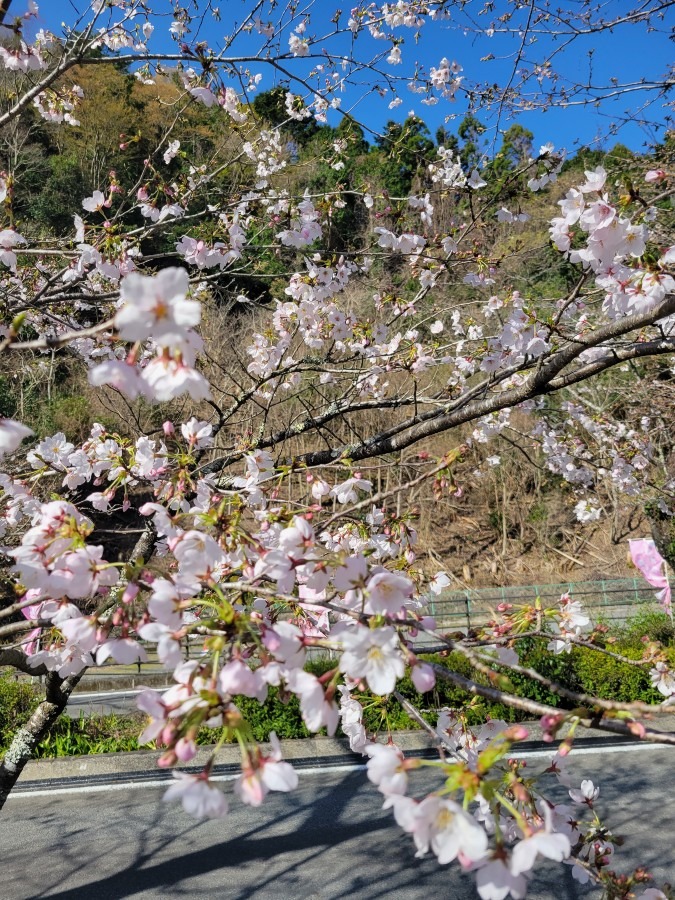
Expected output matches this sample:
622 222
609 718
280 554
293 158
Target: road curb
314 751
302 752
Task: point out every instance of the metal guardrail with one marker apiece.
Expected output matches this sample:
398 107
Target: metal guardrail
610 599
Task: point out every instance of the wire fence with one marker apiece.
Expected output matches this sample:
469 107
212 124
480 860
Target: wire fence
610 600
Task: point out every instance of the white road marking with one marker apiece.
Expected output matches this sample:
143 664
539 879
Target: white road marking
165 782
312 770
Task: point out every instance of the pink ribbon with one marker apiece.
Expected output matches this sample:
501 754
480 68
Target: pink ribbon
649 561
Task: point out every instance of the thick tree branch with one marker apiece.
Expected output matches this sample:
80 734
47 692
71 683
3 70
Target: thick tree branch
58 690
614 726
542 381
4 9
17 659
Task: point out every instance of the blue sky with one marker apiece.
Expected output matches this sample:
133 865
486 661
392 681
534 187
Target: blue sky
628 53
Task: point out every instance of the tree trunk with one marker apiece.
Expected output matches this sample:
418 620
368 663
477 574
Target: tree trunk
35 730
58 690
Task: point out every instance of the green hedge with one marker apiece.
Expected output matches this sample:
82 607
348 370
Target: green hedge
610 679
582 670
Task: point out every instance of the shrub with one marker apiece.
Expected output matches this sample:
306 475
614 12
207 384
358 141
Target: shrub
652 622
610 679
276 714
447 694
18 698
559 668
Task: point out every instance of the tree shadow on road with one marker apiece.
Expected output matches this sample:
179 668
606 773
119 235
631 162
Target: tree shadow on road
328 840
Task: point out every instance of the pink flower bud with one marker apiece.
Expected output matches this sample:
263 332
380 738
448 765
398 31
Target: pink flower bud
168 428
516 733
130 593
167 760
637 728
168 734
186 749
423 677
271 640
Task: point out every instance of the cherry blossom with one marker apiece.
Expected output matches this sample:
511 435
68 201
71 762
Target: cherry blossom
171 151
9 239
372 654
346 491
387 593
199 798
386 768
495 881
586 794
96 202
663 679
439 583
267 773
541 843
156 306
351 720
441 825
12 434
197 434
423 677
475 181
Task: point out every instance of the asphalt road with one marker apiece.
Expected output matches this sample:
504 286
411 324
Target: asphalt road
326 841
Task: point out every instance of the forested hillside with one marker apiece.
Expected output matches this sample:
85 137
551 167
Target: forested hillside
509 518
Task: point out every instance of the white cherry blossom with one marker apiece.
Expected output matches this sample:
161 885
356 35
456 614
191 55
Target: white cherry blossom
199 798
